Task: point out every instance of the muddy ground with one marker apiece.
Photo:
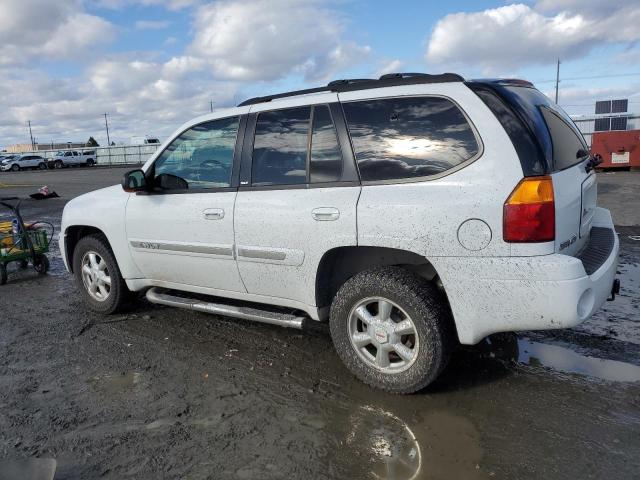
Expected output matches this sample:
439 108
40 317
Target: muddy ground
164 393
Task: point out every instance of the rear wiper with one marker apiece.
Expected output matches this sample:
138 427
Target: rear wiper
593 162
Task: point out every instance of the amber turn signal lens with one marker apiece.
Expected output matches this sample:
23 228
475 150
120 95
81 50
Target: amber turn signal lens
529 212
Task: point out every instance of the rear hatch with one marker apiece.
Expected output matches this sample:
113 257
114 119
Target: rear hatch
559 151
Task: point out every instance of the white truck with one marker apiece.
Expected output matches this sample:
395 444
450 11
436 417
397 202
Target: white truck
68 158
411 212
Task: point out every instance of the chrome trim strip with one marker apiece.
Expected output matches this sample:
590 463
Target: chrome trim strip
260 253
175 247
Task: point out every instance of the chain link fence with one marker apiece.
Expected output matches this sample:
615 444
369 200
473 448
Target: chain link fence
108 156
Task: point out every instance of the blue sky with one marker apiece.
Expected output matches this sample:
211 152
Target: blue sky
152 64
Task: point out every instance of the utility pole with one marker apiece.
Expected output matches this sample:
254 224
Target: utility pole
106 125
33 145
557 78
211 105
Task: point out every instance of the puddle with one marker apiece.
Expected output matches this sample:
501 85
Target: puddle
566 360
30 468
115 383
381 445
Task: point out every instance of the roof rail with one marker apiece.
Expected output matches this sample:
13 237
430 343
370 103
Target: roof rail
348 85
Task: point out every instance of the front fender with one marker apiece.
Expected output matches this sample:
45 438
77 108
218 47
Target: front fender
104 210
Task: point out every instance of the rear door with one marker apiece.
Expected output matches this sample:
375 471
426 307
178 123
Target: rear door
297 199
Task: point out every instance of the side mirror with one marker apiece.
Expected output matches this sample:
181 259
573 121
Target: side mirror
134 181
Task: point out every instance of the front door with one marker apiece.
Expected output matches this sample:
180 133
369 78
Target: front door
299 204
182 232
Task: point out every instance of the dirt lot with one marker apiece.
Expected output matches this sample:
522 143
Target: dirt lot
164 393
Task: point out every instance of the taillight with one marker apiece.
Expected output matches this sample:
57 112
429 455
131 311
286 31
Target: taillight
529 212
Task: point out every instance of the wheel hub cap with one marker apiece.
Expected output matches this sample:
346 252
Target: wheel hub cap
383 335
95 276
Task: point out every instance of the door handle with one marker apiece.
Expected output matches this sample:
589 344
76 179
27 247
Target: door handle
325 214
213 214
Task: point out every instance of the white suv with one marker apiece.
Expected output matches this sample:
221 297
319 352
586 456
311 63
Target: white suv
410 211
20 162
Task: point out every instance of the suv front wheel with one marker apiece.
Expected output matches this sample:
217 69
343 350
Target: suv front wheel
98 276
392 329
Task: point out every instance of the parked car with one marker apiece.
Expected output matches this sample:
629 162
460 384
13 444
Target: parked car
23 161
145 140
411 212
69 158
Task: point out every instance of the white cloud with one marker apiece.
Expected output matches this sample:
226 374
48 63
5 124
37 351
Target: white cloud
42 28
270 39
152 24
514 35
169 4
392 66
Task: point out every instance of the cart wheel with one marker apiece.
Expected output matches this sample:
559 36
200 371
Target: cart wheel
41 264
24 264
3 274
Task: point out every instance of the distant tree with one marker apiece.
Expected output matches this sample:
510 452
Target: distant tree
92 142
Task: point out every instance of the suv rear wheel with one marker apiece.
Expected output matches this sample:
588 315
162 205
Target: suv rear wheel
392 329
98 276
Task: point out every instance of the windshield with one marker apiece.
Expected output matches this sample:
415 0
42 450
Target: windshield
60 154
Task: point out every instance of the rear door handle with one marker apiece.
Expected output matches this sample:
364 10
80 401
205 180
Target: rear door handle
213 214
325 214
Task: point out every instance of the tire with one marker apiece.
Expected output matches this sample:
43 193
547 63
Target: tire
90 162
15 167
58 164
118 296
411 297
41 264
3 274
42 166
23 264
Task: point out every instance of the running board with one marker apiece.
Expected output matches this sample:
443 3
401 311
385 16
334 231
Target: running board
245 313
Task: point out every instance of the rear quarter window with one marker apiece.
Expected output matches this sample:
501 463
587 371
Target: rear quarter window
408 137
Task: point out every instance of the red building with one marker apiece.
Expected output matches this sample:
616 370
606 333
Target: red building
618 148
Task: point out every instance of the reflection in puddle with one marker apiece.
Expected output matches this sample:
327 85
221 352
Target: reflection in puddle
395 452
114 383
438 444
566 360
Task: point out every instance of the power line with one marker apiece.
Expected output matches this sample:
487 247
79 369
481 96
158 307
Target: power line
611 75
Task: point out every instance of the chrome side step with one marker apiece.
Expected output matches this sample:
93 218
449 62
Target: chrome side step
245 313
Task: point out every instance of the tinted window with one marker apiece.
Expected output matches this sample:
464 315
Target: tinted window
326 158
202 156
565 140
280 147
408 137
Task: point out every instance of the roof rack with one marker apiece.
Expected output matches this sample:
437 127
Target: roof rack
348 85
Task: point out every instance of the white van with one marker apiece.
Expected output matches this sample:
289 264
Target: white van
145 140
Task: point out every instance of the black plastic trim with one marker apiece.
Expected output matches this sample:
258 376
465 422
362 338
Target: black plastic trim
532 158
598 249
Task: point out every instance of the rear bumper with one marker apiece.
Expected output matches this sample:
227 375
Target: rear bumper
489 295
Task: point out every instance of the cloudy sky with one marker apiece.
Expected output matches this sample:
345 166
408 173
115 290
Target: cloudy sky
152 64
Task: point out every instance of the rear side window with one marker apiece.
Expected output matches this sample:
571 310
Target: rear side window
404 138
280 147
565 141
